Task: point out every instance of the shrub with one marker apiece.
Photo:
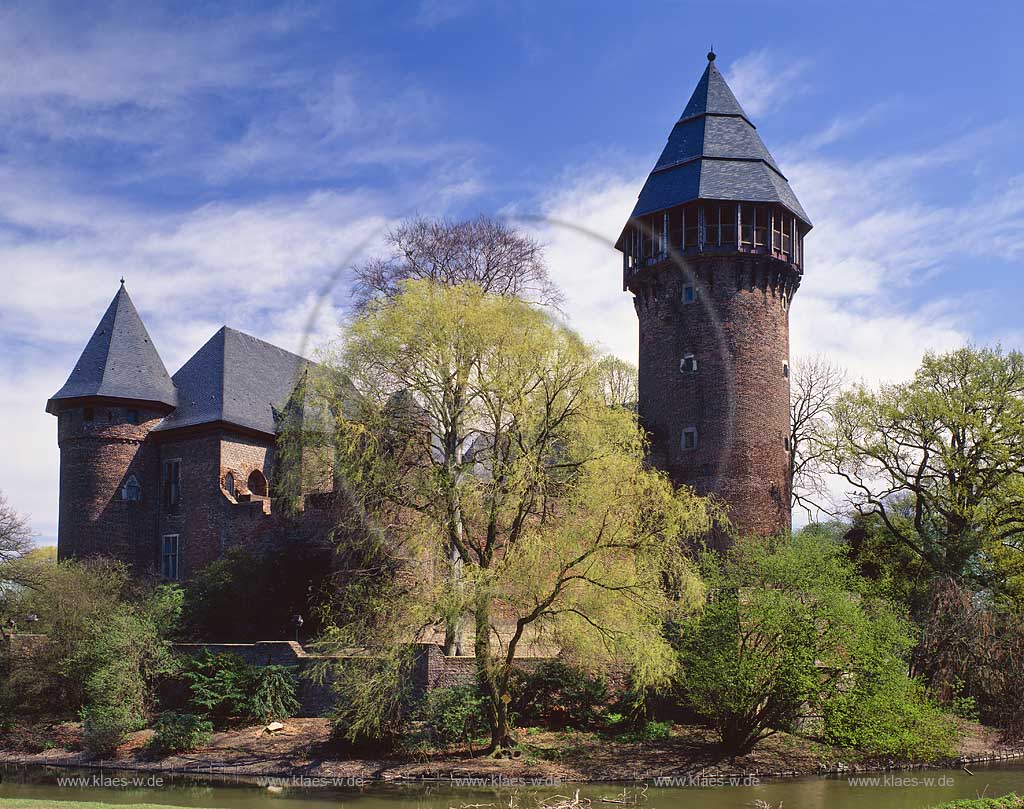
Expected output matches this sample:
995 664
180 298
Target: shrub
273 694
452 715
650 731
218 685
558 695
222 686
179 732
106 727
891 717
788 627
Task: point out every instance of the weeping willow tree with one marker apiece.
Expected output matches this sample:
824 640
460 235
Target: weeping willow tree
493 497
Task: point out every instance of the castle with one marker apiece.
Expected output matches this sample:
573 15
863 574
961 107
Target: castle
167 473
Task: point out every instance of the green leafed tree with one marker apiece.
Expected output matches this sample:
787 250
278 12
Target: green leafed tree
938 461
495 498
788 630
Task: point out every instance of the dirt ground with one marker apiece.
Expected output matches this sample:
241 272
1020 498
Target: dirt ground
303 748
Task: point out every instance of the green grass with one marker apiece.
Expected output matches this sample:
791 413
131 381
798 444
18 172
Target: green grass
1010 801
33 803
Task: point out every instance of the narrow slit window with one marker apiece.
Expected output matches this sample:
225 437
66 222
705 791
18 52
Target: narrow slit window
172 486
689 293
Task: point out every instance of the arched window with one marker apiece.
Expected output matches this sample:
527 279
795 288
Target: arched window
257 483
229 483
131 491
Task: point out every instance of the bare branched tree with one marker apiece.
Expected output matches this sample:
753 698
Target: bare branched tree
488 253
619 383
15 542
815 385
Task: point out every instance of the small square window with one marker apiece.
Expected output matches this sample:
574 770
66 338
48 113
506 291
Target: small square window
688 364
690 438
689 293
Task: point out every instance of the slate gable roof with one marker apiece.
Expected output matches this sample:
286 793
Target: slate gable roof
714 152
237 379
119 361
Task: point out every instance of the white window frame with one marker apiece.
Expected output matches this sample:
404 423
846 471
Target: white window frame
682 364
175 574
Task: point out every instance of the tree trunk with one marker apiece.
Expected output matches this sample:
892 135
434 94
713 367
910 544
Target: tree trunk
490 680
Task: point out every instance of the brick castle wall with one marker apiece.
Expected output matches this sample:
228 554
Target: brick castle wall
96 459
737 330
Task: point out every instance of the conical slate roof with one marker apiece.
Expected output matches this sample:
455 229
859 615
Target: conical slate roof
236 379
714 152
119 361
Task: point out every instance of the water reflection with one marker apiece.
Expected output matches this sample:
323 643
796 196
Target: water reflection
906 790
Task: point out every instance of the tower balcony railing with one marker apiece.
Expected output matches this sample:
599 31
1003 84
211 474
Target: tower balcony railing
712 228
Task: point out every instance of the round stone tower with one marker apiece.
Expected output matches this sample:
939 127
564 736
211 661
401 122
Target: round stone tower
109 473
713 253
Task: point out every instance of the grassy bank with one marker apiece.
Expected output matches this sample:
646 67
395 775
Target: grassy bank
32 803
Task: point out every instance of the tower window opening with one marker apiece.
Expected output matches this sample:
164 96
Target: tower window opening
229 483
712 228
131 492
787 442
760 223
785 369
690 438
787 235
88 414
688 364
689 293
132 416
110 416
690 226
169 556
776 229
727 224
747 225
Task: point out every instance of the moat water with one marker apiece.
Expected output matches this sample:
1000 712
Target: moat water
898 790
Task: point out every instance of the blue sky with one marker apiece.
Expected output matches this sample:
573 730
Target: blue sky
230 159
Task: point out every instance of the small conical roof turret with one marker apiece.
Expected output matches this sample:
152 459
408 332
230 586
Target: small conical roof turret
715 153
119 361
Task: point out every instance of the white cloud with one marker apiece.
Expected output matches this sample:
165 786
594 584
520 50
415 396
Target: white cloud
764 80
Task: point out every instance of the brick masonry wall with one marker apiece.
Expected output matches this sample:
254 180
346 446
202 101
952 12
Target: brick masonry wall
738 399
96 459
431 670
198 521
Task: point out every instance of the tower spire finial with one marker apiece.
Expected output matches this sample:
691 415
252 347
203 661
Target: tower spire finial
711 53
122 280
